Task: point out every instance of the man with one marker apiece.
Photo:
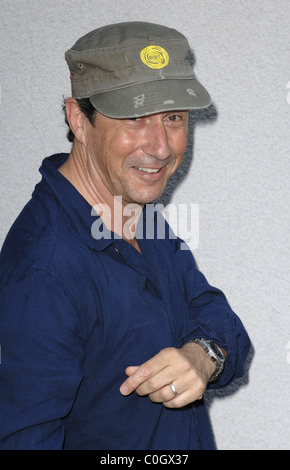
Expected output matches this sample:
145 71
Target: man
110 337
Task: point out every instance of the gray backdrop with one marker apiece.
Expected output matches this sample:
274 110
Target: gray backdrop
236 168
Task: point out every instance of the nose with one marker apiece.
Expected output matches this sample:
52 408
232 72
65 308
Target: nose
156 142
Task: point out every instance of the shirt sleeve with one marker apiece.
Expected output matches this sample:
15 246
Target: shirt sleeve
211 317
41 361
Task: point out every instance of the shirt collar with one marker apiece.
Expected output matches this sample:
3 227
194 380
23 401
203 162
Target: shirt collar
75 206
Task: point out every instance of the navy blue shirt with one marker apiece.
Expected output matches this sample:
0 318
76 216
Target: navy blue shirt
75 311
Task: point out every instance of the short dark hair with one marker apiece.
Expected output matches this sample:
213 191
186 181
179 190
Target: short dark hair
87 108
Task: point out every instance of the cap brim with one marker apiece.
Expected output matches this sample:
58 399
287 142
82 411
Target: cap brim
152 97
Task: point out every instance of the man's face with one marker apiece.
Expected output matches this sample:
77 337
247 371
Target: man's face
134 158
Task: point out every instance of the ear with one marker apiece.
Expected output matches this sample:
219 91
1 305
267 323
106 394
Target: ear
75 119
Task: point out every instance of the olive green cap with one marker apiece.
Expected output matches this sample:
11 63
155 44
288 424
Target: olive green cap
135 69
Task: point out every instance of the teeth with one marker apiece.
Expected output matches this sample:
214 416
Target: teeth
148 170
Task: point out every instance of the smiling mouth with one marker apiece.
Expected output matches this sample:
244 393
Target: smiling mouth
147 170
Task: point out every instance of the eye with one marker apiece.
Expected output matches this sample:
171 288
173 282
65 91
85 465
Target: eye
135 121
175 117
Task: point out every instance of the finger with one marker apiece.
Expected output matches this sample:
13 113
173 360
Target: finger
177 393
141 374
165 394
183 399
124 389
130 370
178 402
157 382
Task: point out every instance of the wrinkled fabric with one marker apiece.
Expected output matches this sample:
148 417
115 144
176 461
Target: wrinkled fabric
75 311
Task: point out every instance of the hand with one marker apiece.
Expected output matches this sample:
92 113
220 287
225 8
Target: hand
188 369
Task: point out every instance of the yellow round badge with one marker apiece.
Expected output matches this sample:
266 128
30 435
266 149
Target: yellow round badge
154 57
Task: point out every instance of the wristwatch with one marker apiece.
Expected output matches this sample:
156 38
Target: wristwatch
215 353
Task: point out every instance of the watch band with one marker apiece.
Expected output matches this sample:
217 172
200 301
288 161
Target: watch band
215 353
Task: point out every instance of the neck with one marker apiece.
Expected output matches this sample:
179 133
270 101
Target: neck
116 215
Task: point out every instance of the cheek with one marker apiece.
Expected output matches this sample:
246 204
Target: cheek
179 146
125 144
183 142
116 158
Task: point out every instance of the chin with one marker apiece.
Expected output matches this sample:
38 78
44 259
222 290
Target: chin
147 197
